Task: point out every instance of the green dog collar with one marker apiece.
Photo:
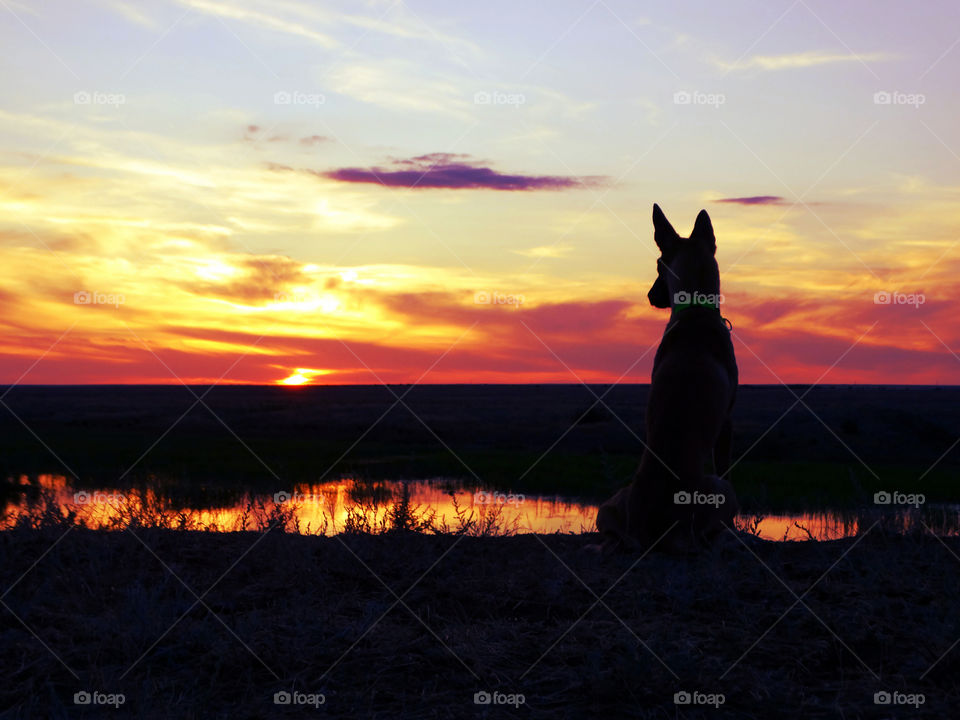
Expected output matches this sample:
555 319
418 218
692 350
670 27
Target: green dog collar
680 307
696 303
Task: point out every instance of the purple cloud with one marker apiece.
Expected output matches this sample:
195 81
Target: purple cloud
446 170
754 200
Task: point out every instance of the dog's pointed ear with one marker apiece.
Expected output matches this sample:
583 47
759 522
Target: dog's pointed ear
703 231
663 233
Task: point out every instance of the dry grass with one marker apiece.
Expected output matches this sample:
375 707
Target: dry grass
374 510
513 614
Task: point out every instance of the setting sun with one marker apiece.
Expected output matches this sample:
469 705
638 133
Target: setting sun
302 376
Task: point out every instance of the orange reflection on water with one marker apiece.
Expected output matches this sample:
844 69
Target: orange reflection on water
333 503
318 508
330 507
804 526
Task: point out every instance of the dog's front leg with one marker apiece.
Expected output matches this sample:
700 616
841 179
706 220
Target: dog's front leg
723 448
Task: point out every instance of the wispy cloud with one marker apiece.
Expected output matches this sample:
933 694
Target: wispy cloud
303 19
132 13
260 18
810 58
405 85
256 134
754 200
546 251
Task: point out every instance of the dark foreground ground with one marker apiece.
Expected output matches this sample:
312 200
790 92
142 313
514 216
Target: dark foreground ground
203 625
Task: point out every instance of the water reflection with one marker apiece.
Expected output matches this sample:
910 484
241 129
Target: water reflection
349 503
324 508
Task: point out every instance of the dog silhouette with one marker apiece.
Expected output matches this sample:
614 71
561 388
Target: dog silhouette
681 494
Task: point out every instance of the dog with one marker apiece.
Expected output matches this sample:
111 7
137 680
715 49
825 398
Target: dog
681 495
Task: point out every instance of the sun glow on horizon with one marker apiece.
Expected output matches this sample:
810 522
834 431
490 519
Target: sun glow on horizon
303 376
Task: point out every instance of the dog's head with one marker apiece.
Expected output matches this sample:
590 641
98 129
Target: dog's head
685 265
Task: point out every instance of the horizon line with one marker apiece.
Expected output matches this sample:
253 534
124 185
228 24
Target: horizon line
447 384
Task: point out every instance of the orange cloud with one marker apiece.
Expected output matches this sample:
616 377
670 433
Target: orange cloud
207 297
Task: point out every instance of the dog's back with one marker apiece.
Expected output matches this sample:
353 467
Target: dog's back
691 395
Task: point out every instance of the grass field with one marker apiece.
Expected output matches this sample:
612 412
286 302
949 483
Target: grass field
210 625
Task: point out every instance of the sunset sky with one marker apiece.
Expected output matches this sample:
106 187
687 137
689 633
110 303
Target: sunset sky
361 192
